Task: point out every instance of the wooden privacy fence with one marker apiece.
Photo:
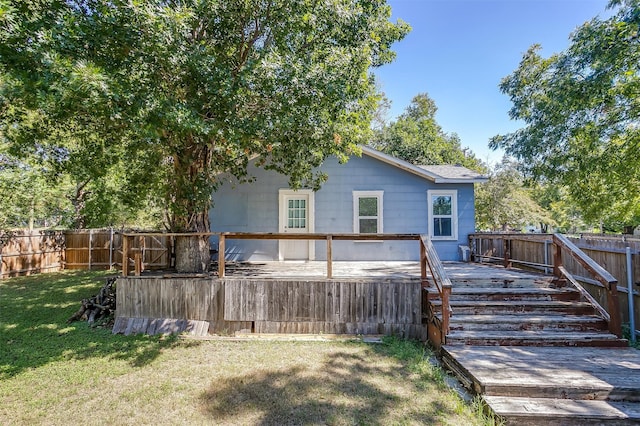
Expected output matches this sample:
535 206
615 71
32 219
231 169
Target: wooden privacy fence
24 252
30 252
536 251
103 249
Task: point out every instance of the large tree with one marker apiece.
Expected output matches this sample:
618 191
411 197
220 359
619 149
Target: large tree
417 137
504 202
184 90
581 110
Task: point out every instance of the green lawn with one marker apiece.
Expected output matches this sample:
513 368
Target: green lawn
57 373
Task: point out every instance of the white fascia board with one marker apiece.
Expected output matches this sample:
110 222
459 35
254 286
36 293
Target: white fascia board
401 164
405 165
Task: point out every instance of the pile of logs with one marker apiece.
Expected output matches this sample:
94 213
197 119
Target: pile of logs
100 308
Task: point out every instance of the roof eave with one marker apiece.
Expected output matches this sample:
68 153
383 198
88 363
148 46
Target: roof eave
401 164
470 180
404 165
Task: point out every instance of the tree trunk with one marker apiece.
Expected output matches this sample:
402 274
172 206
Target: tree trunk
190 199
192 253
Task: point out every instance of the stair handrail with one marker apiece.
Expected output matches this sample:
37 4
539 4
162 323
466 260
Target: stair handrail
585 294
429 259
609 282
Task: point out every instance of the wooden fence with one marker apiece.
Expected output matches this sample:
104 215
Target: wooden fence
317 305
535 251
25 252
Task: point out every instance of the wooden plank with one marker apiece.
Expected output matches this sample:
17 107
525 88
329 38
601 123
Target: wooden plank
357 303
125 256
561 411
221 256
598 271
585 294
329 257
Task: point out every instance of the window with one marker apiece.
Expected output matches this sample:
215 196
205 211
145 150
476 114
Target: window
297 213
443 215
367 212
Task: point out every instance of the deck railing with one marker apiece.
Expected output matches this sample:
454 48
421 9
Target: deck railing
484 248
329 238
563 245
438 328
127 250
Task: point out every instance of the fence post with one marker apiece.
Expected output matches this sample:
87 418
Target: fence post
137 264
221 249
546 256
632 312
615 325
446 311
506 250
423 263
90 244
557 260
125 255
329 256
111 248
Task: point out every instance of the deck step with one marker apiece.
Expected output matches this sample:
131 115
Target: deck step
538 353
533 338
548 372
521 293
555 383
529 322
542 282
549 411
505 307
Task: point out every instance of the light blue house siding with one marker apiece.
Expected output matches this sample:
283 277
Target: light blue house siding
254 207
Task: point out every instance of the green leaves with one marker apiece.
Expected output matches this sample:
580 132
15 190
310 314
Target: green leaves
581 112
417 138
175 93
503 202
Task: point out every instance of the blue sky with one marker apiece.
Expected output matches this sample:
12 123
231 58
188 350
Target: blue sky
459 50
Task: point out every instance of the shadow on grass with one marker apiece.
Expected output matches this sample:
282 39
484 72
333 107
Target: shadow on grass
34 331
346 389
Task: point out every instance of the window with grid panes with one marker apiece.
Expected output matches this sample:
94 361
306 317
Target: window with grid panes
367 207
443 214
297 214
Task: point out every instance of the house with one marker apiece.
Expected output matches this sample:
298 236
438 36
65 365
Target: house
374 193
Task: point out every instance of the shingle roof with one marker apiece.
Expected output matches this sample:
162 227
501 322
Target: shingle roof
437 174
448 171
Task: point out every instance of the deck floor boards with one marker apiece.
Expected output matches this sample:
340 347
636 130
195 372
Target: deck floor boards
517 379
368 269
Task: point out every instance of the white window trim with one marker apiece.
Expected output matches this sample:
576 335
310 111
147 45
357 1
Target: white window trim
356 218
454 213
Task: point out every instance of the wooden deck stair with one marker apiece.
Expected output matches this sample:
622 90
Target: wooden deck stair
530 311
552 385
536 352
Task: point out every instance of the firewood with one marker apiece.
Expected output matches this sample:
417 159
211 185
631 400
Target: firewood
99 307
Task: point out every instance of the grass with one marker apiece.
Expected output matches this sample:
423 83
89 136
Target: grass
626 334
55 373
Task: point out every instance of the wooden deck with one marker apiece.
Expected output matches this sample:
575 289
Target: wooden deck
543 384
367 298
391 269
317 269
552 385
